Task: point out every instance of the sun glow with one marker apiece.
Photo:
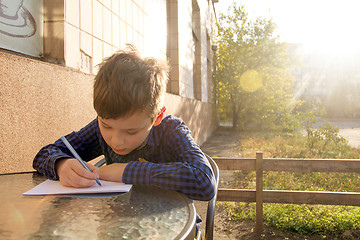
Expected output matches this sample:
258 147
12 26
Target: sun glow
327 27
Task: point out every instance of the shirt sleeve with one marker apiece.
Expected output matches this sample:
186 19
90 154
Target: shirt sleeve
187 170
85 143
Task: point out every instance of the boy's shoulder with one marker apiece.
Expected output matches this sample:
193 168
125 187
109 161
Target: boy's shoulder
172 118
170 128
171 123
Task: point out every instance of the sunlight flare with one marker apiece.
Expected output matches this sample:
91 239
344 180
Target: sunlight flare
251 81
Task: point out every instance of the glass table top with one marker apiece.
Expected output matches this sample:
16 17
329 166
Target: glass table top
143 213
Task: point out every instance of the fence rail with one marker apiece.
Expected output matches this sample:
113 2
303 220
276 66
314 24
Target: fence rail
260 196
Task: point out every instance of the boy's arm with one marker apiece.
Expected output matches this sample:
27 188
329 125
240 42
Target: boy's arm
112 172
188 170
196 181
85 142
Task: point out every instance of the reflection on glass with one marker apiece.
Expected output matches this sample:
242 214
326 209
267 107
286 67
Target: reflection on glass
138 214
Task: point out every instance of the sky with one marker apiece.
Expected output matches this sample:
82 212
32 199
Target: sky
325 26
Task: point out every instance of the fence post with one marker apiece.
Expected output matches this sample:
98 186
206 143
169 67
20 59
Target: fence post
259 193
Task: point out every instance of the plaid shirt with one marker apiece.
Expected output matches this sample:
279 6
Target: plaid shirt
173 160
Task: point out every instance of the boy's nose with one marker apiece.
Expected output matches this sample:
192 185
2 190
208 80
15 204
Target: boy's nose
117 141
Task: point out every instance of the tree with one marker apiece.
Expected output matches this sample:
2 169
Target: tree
252 78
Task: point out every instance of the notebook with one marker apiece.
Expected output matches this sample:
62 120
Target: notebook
50 187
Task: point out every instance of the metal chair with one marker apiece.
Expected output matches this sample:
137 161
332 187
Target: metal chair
210 212
100 162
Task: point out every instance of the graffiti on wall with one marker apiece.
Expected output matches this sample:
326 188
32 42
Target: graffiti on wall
19 26
15 19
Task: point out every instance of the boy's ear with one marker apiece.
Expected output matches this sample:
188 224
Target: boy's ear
160 117
158 120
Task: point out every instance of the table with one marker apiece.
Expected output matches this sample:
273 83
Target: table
143 213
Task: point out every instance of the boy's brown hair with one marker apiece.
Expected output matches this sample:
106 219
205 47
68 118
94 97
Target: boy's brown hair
127 82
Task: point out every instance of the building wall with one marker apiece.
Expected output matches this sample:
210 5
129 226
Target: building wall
39 103
42 100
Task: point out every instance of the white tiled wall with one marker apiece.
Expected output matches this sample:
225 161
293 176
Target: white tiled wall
72 9
98 28
186 50
86 23
72 46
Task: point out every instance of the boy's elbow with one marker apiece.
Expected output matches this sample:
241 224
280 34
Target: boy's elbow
211 191
205 196
208 187
207 191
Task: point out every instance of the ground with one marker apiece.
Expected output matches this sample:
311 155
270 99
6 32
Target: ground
223 143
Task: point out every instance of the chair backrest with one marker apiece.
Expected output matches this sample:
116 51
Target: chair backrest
210 214
100 162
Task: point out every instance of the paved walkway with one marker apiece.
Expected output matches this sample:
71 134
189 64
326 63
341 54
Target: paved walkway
350 130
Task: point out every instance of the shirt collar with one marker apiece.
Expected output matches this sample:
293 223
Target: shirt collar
149 140
152 140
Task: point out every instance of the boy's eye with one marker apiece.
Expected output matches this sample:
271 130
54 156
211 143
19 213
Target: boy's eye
106 126
132 133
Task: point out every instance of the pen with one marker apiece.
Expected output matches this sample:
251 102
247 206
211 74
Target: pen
72 150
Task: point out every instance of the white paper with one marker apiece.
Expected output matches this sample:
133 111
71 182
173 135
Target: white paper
50 187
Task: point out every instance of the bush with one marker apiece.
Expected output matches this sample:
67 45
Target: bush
325 141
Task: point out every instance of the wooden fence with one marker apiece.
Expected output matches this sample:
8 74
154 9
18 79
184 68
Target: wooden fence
260 196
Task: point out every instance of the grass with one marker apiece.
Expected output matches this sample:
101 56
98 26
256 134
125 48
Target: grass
292 145
304 219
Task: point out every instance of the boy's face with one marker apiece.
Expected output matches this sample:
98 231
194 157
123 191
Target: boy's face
124 135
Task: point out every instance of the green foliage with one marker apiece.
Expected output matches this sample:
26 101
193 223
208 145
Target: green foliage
303 219
307 219
325 141
314 219
263 99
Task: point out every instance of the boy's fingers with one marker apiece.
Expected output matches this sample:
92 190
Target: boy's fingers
78 176
94 169
72 179
73 174
82 183
83 172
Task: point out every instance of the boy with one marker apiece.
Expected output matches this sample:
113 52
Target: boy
140 144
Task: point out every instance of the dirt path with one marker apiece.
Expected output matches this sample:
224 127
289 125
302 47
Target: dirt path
221 143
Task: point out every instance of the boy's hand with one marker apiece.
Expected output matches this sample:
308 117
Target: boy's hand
112 172
73 174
